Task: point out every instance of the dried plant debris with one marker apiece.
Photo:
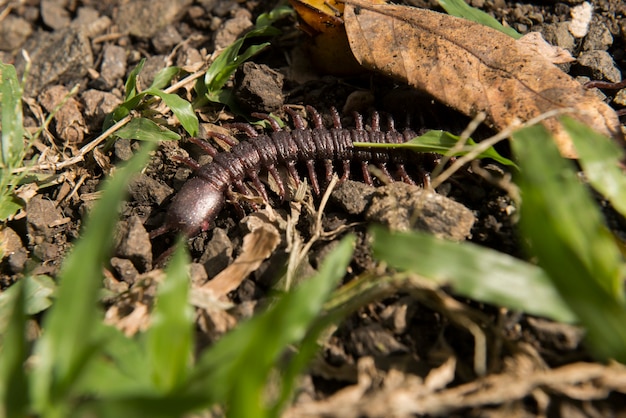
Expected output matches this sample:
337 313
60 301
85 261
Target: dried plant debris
471 68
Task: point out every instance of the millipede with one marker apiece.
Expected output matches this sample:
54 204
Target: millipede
202 197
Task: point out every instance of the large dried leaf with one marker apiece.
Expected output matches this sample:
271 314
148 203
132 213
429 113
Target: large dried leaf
471 67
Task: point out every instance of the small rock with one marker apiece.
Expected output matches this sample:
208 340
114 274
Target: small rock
41 216
232 29
146 18
13 32
403 207
259 88
113 66
599 65
134 244
54 13
125 269
218 253
61 57
147 191
12 249
123 149
97 105
69 124
620 97
353 196
598 38
166 39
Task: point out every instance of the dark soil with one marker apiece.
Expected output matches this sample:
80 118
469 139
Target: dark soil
378 355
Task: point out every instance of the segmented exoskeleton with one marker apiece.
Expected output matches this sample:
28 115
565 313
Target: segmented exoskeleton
201 198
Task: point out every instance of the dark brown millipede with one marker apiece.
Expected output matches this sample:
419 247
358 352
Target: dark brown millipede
202 197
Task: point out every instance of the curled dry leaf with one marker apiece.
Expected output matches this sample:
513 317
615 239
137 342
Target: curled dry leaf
329 48
471 68
257 246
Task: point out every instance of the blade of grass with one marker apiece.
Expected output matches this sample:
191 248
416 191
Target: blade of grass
459 8
67 345
12 132
600 159
478 273
12 147
181 108
145 130
13 354
440 142
563 225
256 345
169 340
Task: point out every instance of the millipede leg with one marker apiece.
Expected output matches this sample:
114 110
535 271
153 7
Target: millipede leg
336 118
314 183
273 123
315 117
279 182
298 122
367 177
206 147
243 127
189 162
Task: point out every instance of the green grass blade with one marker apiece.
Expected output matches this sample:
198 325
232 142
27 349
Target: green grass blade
164 77
130 87
12 133
169 339
14 399
565 230
441 142
600 159
459 8
225 65
181 108
256 345
145 130
68 345
472 271
39 291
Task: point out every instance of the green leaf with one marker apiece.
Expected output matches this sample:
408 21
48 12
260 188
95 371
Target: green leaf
68 345
181 108
170 341
255 346
459 8
600 158
565 230
164 77
12 132
145 130
131 84
278 13
14 398
9 204
225 65
475 272
440 142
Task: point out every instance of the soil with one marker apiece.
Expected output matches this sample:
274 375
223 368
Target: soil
405 348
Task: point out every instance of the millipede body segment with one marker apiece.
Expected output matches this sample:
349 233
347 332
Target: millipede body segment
201 198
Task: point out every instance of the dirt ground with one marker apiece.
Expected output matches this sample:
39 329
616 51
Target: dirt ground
389 350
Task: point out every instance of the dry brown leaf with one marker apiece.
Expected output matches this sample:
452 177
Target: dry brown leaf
257 246
534 43
471 68
329 49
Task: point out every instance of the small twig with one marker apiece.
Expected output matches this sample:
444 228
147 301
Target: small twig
98 140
